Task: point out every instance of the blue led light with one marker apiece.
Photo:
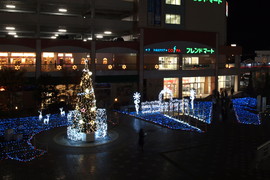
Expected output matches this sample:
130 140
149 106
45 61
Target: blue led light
245 110
22 149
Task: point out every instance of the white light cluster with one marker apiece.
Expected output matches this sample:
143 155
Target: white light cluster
163 92
192 97
63 113
47 119
101 121
137 97
75 134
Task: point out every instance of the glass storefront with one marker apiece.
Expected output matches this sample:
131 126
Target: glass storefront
198 62
226 82
173 85
202 85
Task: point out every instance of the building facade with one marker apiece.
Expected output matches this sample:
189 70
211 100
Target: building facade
131 45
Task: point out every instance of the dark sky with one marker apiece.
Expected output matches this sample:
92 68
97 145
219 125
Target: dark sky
249 25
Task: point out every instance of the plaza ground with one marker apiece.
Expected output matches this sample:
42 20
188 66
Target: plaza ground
227 150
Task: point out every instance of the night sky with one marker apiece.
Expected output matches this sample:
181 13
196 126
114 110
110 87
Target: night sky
249 26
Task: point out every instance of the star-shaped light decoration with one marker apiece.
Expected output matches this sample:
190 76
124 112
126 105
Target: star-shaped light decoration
156 66
109 66
17 67
74 67
59 67
124 66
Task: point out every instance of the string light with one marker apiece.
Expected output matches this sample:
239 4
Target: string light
245 109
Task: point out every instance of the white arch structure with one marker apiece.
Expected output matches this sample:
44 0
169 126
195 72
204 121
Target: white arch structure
165 90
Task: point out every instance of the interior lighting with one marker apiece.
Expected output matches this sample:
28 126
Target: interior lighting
107 32
115 99
84 40
10 6
89 38
233 45
53 37
62 10
99 36
10 28
62 30
12 33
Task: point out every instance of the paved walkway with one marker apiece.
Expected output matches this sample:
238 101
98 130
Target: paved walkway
225 151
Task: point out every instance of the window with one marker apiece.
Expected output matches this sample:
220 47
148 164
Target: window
173 85
172 19
173 2
167 63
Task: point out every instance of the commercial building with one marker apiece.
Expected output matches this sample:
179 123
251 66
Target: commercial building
131 45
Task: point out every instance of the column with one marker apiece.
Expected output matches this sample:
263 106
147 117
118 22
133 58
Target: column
38 58
141 63
216 63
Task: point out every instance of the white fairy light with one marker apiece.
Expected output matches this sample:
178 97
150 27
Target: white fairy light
101 121
47 119
137 97
62 112
40 115
192 97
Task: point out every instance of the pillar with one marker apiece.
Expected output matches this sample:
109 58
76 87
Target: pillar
141 63
38 58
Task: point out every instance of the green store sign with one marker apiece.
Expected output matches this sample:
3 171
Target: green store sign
211 1
200 51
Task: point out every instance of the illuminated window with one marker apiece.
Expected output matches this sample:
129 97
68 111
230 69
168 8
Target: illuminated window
105 61
173 2
173 85
172 19
167 63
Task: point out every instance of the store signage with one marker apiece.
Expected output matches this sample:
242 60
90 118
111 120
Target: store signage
211 1
200 51
163 50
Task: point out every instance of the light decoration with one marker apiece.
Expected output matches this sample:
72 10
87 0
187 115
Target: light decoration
164 92
74 67
84 116
101 122
192 97
110 67
40 115
63 113
17 67
124 66
21 148
58 67
137 97
156 66
245 110
47 119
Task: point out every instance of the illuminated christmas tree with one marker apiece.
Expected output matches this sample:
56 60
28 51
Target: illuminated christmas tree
84 119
